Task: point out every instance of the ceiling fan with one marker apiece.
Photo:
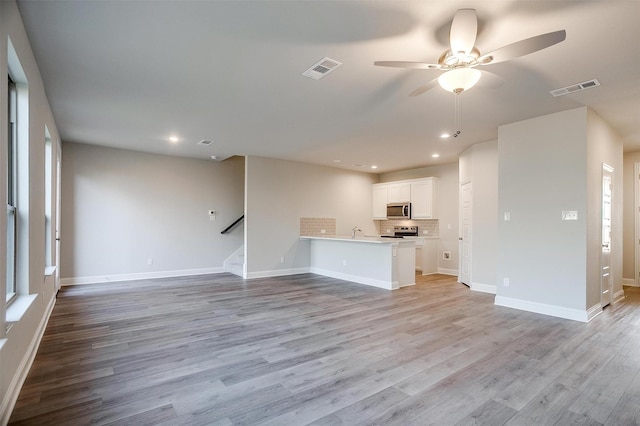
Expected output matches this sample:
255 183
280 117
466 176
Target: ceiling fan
460 60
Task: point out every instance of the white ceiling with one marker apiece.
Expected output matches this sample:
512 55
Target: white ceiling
129 74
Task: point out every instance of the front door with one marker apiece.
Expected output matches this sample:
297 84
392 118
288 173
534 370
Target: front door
466 197
606 280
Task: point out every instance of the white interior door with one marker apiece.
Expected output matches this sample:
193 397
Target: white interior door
606 280
466 205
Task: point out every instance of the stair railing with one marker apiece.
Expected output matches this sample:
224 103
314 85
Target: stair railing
230 227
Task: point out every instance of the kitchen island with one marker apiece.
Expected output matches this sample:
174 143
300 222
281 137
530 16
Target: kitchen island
387 263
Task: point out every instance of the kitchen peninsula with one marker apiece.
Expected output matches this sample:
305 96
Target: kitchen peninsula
387 263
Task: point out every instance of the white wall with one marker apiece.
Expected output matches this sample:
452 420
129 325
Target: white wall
547 165
629 217
603 146
36 292
448 207
123 207
479 164
278 193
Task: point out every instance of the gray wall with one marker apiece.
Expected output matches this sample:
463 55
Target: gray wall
36 292
548 165
122 208
603 146
448 207
278 193
629 217
542 171
479 163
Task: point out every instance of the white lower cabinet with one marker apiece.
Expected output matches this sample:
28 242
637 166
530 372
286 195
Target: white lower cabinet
426 254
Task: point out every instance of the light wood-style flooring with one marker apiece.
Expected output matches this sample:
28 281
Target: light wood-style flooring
306 349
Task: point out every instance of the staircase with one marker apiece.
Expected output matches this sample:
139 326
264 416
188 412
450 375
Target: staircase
235 263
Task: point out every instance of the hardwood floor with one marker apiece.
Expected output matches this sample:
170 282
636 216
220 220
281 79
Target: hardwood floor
306 349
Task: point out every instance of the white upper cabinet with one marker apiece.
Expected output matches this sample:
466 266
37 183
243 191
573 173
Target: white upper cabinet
379 201
424 198
421 193
398 192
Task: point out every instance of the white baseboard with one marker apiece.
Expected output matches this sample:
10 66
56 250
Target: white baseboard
630 282
387 285
618 296
276 273
448 271
542 308
140 276
484 288
15 385
593 312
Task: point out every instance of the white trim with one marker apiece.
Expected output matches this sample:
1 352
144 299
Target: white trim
484 288
15 386
275 273
593 312
542 308
445 271
636 220
630 282
139 276
19 307
618 296
387 285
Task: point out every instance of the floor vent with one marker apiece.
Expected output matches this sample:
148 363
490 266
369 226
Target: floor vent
575 87
321 68
204 142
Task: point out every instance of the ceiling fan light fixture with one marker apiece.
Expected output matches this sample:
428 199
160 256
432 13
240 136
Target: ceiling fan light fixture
459 79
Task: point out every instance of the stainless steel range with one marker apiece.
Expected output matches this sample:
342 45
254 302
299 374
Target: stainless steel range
403 231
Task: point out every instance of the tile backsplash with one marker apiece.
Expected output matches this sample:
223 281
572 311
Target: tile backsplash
432 226
313 226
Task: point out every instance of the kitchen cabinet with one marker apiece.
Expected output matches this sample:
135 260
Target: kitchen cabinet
379 201
424 198
421 193
398 192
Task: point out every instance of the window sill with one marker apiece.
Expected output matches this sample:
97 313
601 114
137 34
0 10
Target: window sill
19 307
49 271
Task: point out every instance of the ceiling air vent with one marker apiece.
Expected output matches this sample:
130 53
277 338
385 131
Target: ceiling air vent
205 142
575 87
321 68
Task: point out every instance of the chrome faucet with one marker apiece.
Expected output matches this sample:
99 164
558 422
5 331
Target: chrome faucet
354 230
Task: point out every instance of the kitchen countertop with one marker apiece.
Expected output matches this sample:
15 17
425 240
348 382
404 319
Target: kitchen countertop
373 239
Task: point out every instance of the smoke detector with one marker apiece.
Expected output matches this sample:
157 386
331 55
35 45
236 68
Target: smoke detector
321 68
575 87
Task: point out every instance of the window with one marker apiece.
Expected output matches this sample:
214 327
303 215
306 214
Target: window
12 213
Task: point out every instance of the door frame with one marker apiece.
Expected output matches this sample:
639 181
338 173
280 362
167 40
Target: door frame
636 220
606 169
463 183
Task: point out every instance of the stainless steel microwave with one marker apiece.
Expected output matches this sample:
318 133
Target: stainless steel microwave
399 211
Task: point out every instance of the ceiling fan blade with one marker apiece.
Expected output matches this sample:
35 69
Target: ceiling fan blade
523 47
464 29
420 90
407 64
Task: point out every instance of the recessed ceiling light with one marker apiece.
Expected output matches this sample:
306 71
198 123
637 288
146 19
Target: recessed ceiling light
374 167
435 155
174 139
445 135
